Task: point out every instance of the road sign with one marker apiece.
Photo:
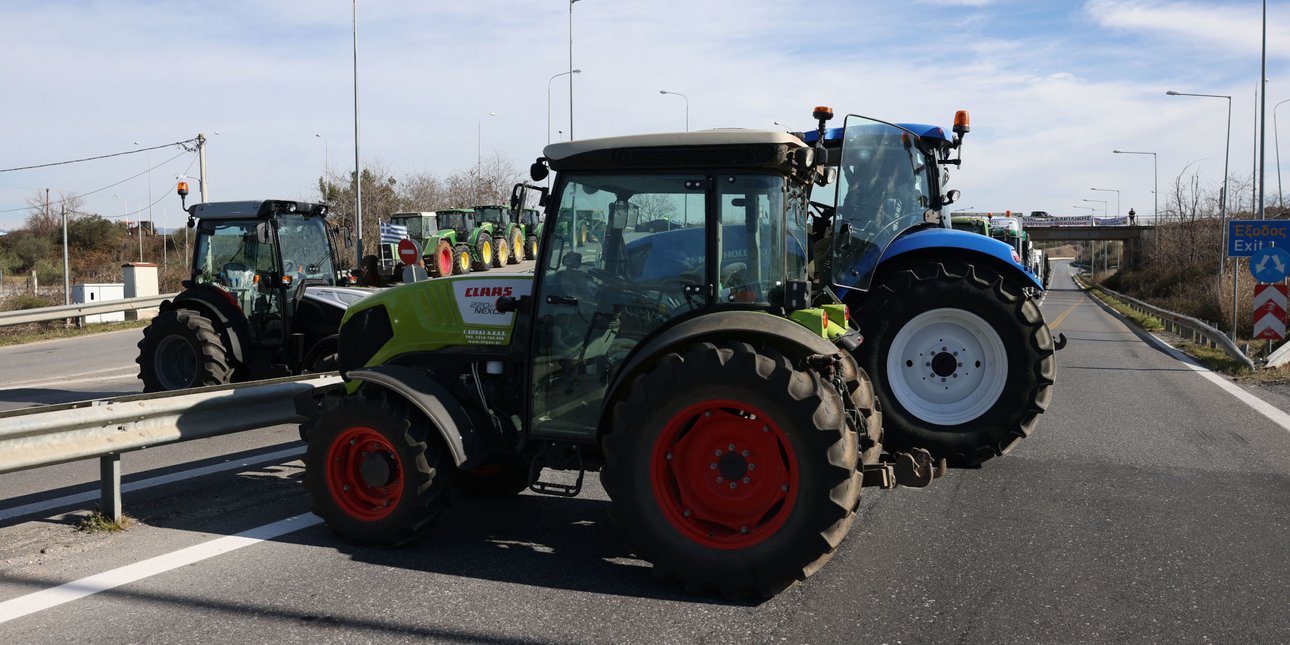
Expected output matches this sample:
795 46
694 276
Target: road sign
409 254
1270 264
1245 237
1270 311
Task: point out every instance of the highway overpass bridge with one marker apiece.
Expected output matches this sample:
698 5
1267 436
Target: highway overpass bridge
1132 236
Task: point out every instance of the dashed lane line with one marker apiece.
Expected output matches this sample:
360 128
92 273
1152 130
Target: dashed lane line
75 590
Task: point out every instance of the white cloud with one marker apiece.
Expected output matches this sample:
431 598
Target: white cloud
1234 28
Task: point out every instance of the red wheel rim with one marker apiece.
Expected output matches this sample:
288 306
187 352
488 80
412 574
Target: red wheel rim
724 474
363 474
445 261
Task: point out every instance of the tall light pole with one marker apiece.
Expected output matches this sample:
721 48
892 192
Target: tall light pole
1103 202
479 141
1222 201
1155 190
1276 143
687 106
1117 197
358 165
548 100
571 68
1263 109
326 153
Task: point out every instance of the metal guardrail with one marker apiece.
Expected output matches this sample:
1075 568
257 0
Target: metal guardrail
60 312
1190 328
105 428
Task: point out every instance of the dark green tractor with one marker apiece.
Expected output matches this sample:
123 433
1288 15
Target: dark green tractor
470 233
508 235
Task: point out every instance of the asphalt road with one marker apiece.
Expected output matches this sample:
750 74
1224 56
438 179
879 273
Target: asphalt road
1150 506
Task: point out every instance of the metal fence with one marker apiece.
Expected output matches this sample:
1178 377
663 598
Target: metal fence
60 312
105 428
1192 329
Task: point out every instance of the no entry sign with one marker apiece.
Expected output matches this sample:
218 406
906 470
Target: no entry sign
1270 311
409 254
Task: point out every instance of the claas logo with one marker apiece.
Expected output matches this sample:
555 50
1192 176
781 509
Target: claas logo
482 292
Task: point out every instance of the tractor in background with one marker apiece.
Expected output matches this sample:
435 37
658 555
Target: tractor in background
264 298
442 250
506 230
962 360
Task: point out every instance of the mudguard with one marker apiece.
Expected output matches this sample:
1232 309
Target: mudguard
755 327
213 304
952 240
442 409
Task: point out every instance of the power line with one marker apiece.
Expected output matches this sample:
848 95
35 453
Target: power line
115 154
107 187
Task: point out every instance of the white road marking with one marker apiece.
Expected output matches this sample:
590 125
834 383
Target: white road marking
1273 414
75 590
77 498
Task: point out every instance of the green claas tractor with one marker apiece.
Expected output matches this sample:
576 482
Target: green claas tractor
508 234
264 298
440 248
731 427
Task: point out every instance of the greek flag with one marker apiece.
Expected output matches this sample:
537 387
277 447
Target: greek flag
392 233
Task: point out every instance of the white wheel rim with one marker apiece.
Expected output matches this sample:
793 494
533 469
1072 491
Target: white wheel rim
947 366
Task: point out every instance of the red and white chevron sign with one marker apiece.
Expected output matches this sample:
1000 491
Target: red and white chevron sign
1270 311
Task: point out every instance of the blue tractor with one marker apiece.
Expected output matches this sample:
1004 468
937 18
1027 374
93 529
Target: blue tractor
961 358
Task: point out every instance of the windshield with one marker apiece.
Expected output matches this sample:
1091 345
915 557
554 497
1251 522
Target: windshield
306 252
494 214
529 217
413 222
882 190
452 221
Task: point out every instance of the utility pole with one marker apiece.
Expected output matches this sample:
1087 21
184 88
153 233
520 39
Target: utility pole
358 165
201 164
67 276
1263 109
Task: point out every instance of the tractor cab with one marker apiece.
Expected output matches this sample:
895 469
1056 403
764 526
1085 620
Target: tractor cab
262 255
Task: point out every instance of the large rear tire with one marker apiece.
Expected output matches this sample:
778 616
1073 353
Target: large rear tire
376 470
441 260
516 245
501 252
461 260
532 245
744 520
181 349
483 258
963 359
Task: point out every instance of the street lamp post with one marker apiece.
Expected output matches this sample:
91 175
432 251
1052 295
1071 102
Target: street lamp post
1276 143
479 144
358 164
571 68
1103 202
687 106
326 153
1117 197
1155 190
151 222
548 100
1227 152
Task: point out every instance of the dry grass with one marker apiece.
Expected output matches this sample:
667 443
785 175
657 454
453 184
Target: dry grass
97 522
22 334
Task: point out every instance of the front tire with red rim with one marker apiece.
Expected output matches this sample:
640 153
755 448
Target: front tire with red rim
374 469
732 470
442 261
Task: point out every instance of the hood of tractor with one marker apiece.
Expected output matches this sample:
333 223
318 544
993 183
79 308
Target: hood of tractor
430 315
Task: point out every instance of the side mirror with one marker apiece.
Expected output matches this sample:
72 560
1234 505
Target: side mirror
538 171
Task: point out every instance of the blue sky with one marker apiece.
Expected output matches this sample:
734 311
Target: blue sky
1053 86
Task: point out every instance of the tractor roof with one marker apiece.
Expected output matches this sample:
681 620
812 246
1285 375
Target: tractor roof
255 209
920 129
706 148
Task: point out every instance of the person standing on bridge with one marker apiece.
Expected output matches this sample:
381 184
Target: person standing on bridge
1132 217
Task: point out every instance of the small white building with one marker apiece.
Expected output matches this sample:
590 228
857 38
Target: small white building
91 293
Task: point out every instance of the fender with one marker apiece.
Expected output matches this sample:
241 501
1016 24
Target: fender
949 239
443 410
756 327
212 302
